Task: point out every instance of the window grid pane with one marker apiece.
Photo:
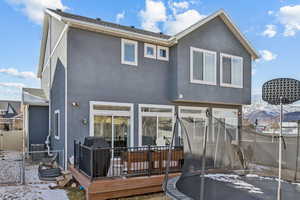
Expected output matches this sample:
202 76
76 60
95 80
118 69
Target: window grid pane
236 71
197 65
150 51
209 67
129 52
226 71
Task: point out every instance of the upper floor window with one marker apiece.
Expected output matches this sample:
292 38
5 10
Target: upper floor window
203 66
56 124
162 53
150 50
231 71
129 52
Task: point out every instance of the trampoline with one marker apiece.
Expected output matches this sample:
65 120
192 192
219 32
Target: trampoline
231 187
221 165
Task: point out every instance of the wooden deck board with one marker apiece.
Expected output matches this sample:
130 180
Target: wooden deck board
119 187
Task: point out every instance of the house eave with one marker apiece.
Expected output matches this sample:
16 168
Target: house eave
43 45
118 32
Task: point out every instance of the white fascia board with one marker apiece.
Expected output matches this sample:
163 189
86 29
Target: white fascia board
43 45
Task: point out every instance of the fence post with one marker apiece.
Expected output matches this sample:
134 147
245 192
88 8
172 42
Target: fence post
23 168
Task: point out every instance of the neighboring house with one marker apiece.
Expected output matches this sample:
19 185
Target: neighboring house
10 115
125 84
36 116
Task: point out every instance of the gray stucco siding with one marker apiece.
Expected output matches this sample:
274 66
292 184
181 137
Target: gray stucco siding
95 73
38 124
57 93
214 36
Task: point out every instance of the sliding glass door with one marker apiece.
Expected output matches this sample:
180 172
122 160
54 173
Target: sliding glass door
113 122
156 124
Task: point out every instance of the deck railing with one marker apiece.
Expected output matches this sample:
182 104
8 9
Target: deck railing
126 161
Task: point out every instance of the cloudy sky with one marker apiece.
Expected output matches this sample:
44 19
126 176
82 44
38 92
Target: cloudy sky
272 26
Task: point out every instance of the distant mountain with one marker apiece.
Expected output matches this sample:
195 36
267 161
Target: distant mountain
291 116
262 116
267 114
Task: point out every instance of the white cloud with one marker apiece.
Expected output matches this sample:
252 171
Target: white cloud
267 55
34 9
270 12
12 85
289 17
120 16
181 17
270 31
155 12
182 21
181 5
16 73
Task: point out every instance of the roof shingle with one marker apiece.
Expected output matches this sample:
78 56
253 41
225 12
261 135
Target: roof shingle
109 24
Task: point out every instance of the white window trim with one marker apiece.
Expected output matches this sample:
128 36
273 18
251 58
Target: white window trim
129 113
227 109
135 43
221 70
58 125
157 114
167 53
192 80
146 45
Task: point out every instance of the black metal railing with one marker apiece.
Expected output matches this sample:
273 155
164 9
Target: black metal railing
126 161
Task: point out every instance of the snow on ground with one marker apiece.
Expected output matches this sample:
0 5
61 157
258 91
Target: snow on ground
31 192
236 181
10 167
35 189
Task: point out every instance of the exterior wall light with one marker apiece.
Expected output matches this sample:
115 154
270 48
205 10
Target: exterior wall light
75 104
84 122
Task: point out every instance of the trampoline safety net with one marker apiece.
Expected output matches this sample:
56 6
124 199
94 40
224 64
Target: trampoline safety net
224 160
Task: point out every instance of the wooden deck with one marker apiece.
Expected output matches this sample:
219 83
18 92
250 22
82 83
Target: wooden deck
119 187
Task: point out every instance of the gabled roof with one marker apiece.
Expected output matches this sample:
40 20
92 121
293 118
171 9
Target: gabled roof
10 108
98 25
232 27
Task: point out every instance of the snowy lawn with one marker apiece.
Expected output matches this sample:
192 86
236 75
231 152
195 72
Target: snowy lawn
31 192
10 167
35 189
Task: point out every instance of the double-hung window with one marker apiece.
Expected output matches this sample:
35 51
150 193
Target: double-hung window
231 71
129 51
203 66
57 124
